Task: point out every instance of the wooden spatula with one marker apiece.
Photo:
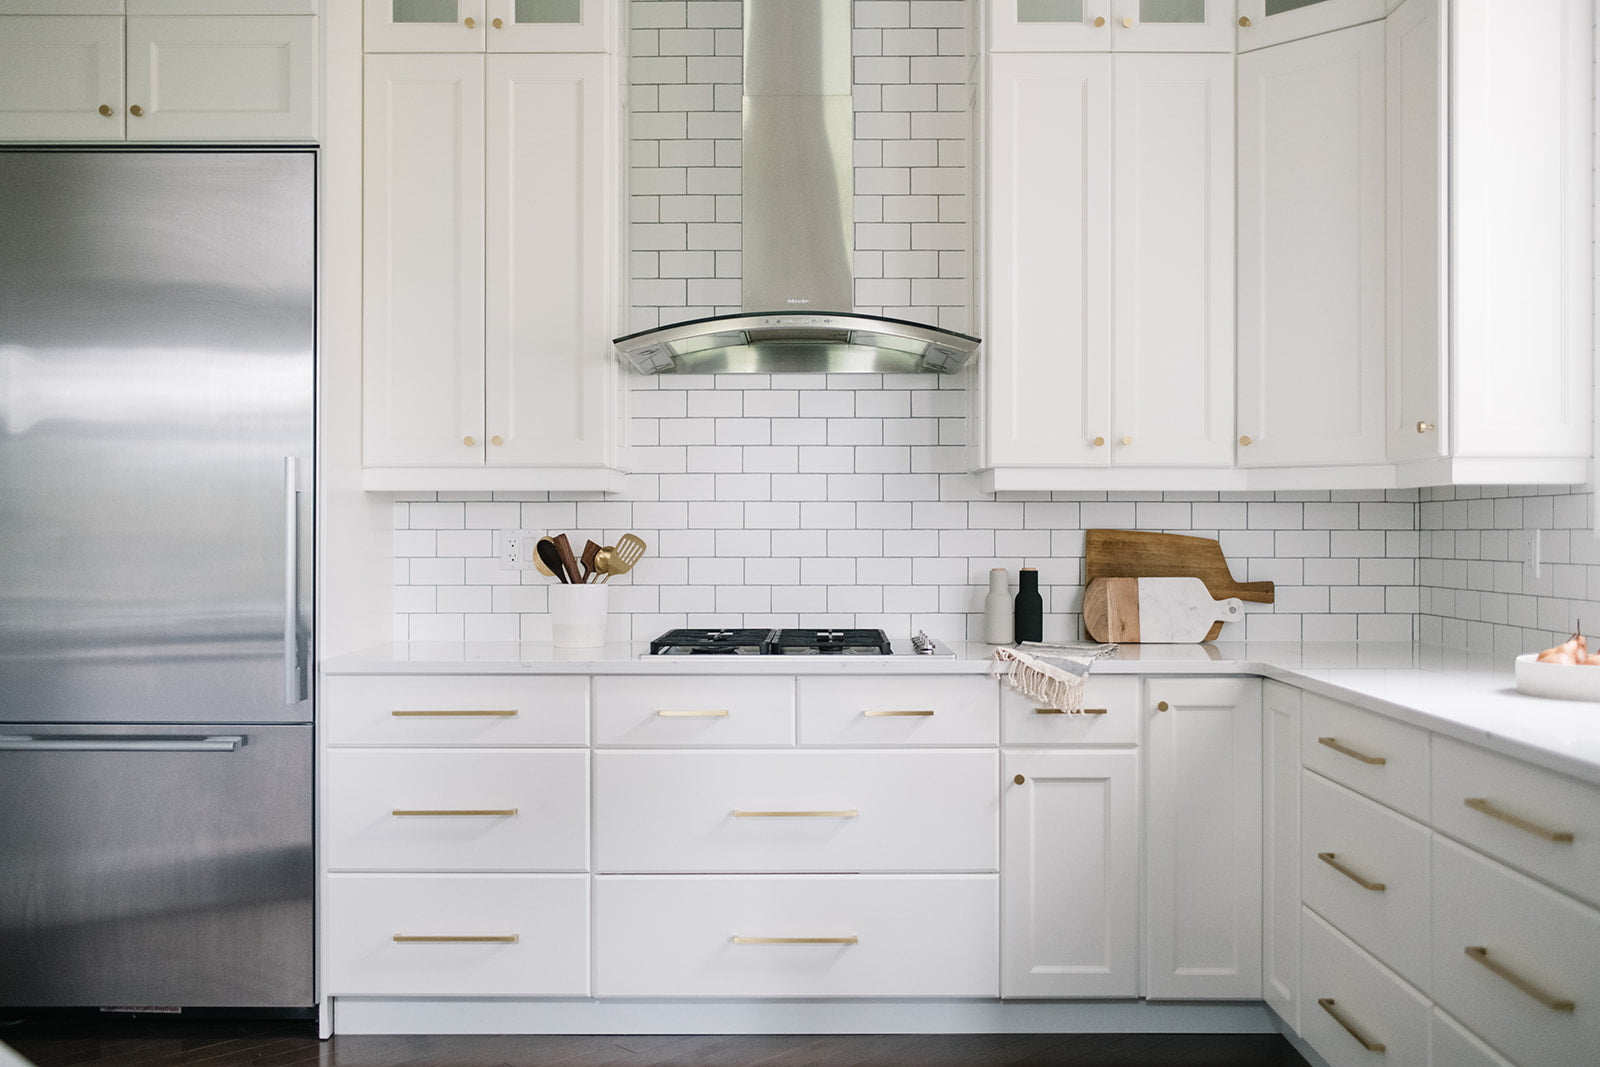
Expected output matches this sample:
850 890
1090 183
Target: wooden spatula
569 562
590 551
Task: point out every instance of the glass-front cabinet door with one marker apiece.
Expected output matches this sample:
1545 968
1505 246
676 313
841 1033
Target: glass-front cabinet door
488 25
1267 22
1111 25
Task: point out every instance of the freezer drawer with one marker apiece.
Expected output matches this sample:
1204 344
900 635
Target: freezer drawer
156 865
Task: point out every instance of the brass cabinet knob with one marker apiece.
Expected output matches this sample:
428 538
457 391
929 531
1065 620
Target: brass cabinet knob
1019 779
1244 20
1099 442
469 442
498 24
136 111
468 22
1245 440
105 109
1100 20
1424 427
1127 440
497 440
1127 22
1163 706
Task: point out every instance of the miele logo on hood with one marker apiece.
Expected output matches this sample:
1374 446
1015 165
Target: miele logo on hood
798 222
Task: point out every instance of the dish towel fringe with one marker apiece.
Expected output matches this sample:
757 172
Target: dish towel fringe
1052 674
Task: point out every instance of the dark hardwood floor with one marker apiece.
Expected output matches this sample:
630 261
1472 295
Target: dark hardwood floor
159 1042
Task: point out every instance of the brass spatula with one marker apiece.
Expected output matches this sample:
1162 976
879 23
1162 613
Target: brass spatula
629 550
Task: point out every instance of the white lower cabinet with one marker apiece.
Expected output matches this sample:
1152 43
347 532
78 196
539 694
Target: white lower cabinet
417 935
796 936
1202 838
1280 826
1518 959
1069 923
697 812
1456 1046
1357 1011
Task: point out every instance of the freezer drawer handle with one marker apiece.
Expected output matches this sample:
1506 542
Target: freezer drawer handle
46 743
434 939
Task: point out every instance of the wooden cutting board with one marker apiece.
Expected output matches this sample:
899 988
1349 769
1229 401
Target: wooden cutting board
1154 610
1137 554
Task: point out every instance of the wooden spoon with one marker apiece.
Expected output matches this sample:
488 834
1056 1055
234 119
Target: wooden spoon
590 551
569 562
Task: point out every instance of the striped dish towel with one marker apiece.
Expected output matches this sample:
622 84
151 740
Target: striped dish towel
1052 674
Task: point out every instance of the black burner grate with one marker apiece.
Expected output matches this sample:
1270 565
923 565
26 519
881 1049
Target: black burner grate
695 642
831 643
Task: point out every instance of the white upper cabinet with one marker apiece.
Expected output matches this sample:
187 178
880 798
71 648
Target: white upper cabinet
1311 251
1491 282
1110 25
1269 22
1110 213
488 25
241 71
489 190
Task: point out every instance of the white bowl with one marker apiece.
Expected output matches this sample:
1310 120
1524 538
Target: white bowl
1563 681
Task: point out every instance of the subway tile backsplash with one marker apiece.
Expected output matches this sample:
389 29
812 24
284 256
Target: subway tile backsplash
843 499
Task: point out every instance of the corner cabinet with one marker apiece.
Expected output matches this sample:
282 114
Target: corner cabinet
1490 207
491 207
83 71
1109 207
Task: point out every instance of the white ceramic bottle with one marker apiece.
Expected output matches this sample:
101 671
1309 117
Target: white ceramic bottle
999 616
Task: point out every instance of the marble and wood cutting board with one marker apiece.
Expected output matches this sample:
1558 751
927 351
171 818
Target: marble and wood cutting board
1154 610
1142 554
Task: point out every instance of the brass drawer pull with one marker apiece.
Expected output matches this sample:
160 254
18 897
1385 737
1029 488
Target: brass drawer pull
739 939
1064 711
876 713
455 811
1327 857
452 713
847 813
676 713
465 939
1349 1027
1375 761
1549 1000
1481 804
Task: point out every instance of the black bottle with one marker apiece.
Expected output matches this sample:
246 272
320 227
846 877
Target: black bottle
1030 606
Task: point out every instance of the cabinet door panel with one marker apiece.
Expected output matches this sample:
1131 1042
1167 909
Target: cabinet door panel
424 26
550 25
1049 331
1311 251
423 261
548 365
1418 278
1070 912
1173 355
1280 817
223 78
1172 26
56 72
1049 25
1203 845
1520 182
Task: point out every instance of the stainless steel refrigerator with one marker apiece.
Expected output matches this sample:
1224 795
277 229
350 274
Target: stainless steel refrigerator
157 327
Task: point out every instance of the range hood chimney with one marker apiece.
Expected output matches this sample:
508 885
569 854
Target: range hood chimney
798 223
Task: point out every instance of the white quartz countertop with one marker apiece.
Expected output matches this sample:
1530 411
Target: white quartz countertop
1466 695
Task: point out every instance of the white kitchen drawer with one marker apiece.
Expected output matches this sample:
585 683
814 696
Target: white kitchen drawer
1538 936
1110 716
1456 1046
547 915
902 710
700 711
1374 755
934 810
1556 833
429 710
876 936
499 810
1341 982
1379 847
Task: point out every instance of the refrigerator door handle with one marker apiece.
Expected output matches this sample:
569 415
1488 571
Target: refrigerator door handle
109 743
291 581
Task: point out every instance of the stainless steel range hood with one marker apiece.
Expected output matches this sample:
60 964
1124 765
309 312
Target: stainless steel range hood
798 223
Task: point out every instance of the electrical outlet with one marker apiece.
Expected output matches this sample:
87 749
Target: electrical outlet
1528 550
516 550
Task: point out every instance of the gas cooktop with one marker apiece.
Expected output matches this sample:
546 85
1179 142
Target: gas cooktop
791 642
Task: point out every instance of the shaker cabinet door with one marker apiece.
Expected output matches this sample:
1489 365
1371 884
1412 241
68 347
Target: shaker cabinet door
61 78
